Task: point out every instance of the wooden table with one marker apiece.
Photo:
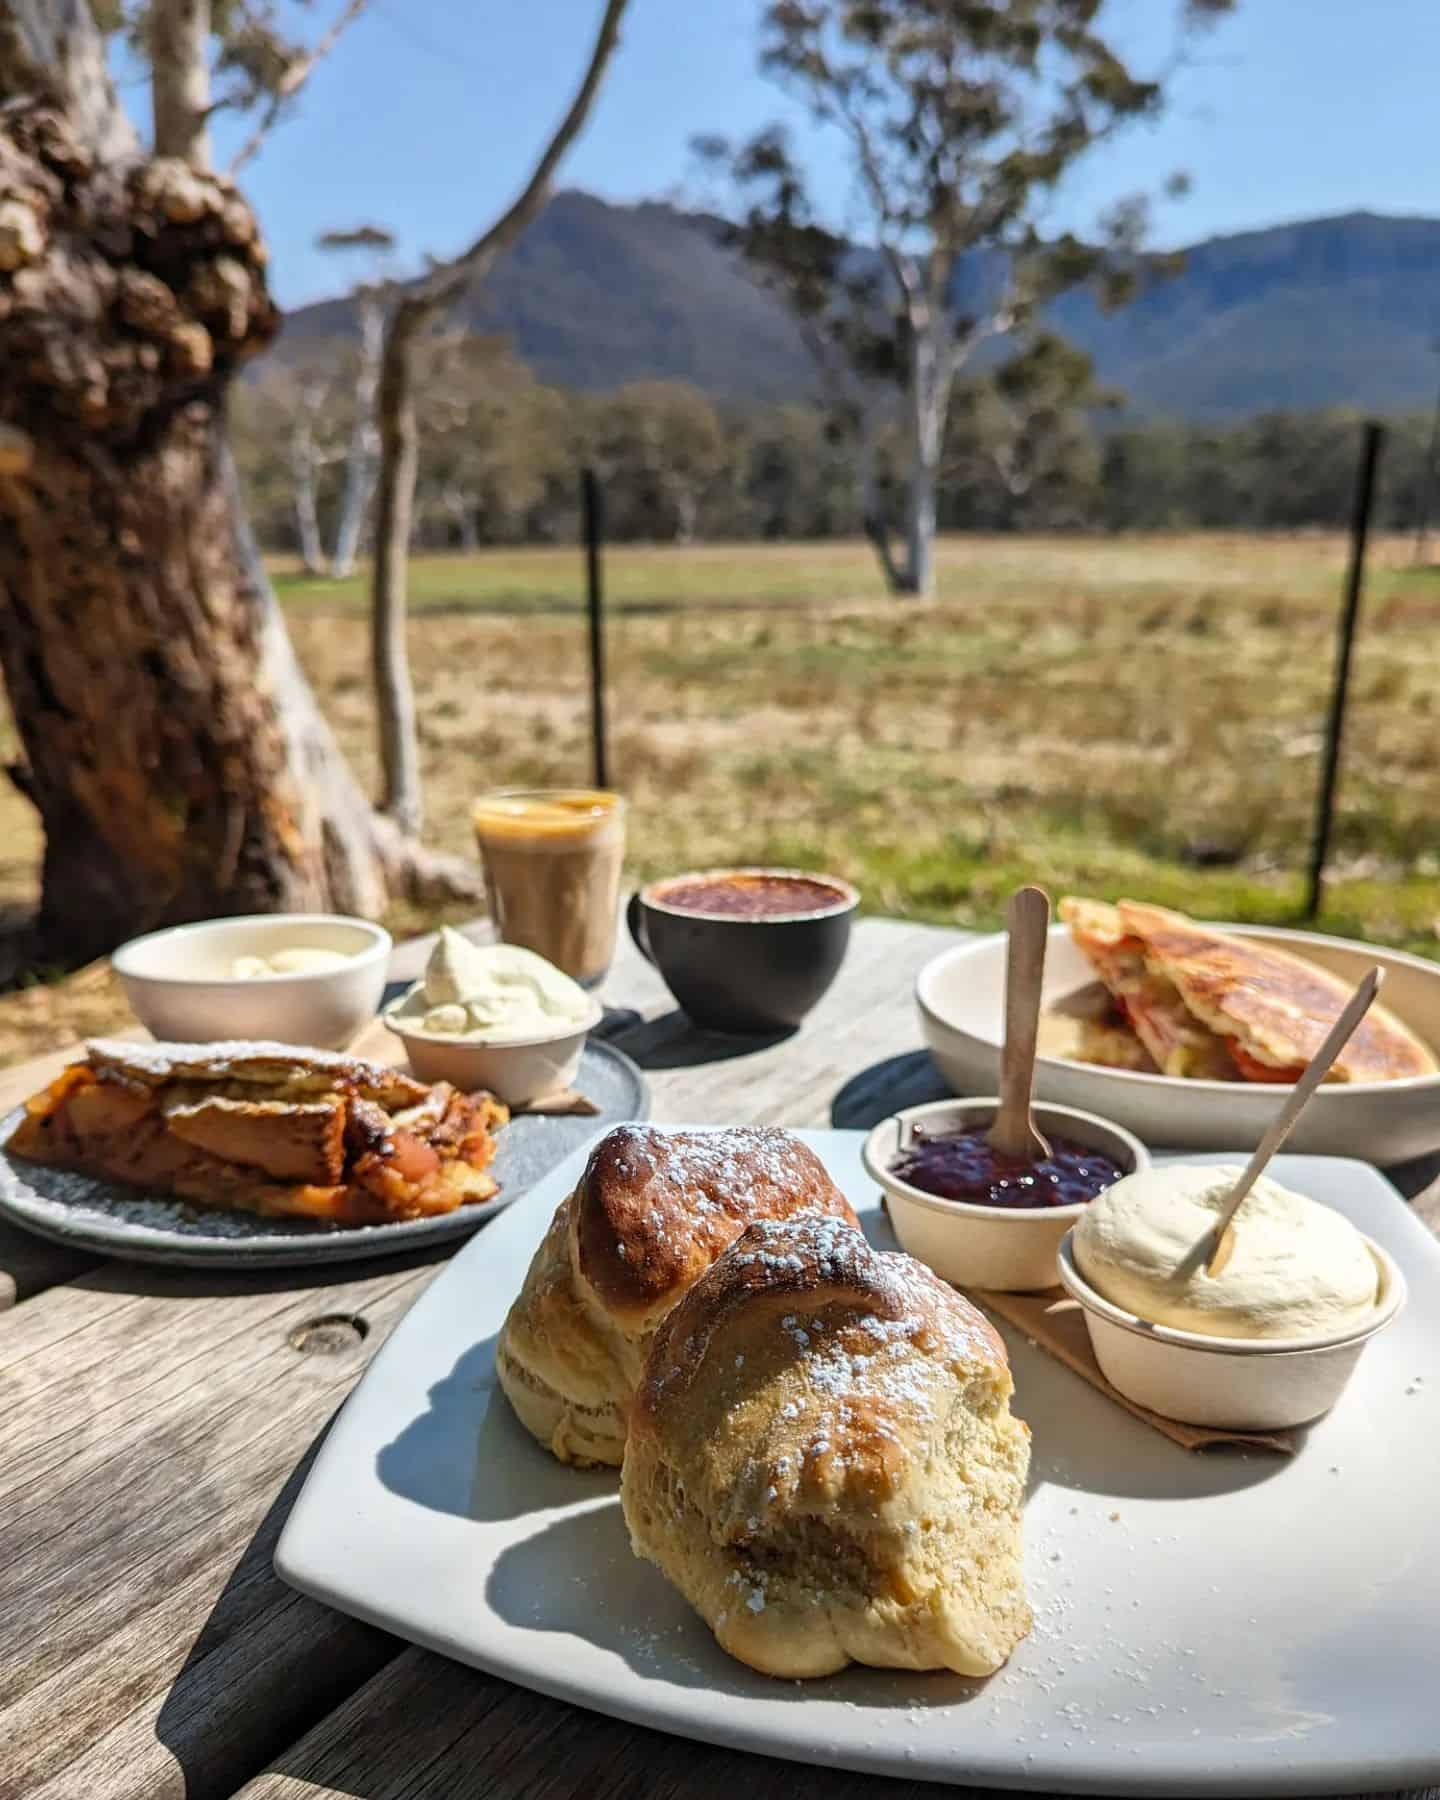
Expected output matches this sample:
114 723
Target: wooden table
155 1426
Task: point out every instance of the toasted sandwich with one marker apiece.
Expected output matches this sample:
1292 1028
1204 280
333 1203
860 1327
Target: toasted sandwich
1273 1010
1177 1043
1208 1004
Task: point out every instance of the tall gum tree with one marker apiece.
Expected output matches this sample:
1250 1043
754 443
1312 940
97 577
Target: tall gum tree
958 119
176 755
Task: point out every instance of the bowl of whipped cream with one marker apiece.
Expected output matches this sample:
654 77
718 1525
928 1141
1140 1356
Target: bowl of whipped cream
290 978
494 1016
1267 1342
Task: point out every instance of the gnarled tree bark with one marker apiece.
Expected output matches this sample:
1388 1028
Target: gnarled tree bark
176 755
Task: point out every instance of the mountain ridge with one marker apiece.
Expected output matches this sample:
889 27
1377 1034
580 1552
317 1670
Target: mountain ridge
1339 310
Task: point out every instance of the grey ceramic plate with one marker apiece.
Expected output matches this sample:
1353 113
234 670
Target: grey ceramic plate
124 1221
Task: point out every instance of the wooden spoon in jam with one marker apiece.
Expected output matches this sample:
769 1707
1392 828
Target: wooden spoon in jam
1028 920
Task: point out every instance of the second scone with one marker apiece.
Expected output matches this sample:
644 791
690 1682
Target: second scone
823 1460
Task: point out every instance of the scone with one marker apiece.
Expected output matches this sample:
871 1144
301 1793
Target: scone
650 1214
823 1460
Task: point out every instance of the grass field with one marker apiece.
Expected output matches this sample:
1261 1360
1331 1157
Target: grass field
1136 715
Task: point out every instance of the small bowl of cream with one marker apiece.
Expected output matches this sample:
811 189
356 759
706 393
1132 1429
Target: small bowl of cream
494 1016
1267 1342
290 978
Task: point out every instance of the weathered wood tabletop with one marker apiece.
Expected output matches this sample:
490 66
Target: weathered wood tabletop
157 1425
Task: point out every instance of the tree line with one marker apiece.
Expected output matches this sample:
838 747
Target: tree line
500 454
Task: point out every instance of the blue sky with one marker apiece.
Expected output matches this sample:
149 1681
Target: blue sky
428 114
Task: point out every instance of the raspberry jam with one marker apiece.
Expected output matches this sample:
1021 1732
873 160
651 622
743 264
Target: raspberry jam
961 1165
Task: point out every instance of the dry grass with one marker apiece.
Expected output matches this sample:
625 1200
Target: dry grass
1093 714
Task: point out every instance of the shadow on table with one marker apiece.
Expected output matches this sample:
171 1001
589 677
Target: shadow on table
672 1042
164 1280
247 1689
884 1088
577 1576
468 1454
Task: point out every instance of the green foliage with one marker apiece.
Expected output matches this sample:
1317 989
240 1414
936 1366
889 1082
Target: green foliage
958 120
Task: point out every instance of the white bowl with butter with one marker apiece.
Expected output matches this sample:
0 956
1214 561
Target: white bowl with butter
1267 1343
294 978
494 1016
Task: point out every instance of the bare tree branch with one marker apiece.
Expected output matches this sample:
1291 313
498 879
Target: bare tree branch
177 39
395 493
53 49
448 281
294 78
900 266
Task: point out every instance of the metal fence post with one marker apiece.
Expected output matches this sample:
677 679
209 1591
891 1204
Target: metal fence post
592 507
1349 613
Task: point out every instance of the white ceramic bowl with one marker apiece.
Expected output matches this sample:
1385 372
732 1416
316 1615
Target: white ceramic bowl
1005 1248
178 982
517 1071
960 996
1234 1384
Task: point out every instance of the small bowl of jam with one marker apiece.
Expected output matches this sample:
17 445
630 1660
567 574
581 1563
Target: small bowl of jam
982 1219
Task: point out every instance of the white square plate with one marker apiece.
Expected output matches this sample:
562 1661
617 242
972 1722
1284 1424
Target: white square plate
1212 1623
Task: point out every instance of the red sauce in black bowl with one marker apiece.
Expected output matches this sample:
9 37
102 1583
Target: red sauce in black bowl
962 1165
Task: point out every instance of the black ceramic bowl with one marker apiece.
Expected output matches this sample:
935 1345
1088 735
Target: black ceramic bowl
745 950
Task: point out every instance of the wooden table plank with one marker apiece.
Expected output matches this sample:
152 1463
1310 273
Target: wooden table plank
29 1265
142 1498
430 1730
426 1729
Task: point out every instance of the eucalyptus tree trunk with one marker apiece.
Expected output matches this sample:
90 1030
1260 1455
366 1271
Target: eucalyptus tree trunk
461 508
177 39
176 756
400 794
928 402
303 459
872 508
362 456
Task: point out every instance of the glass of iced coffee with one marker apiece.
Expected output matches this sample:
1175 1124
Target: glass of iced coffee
552 860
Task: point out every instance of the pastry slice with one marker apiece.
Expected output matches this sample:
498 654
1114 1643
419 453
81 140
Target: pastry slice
265 1128
1271 1009
823 1460
1176 1042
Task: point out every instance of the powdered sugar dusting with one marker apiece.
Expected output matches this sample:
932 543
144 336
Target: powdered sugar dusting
907 1298
876 1341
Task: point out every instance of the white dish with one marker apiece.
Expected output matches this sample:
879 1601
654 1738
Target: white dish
960 996
1235 1384
179 981
1206 1624
519 1070
1009 1249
